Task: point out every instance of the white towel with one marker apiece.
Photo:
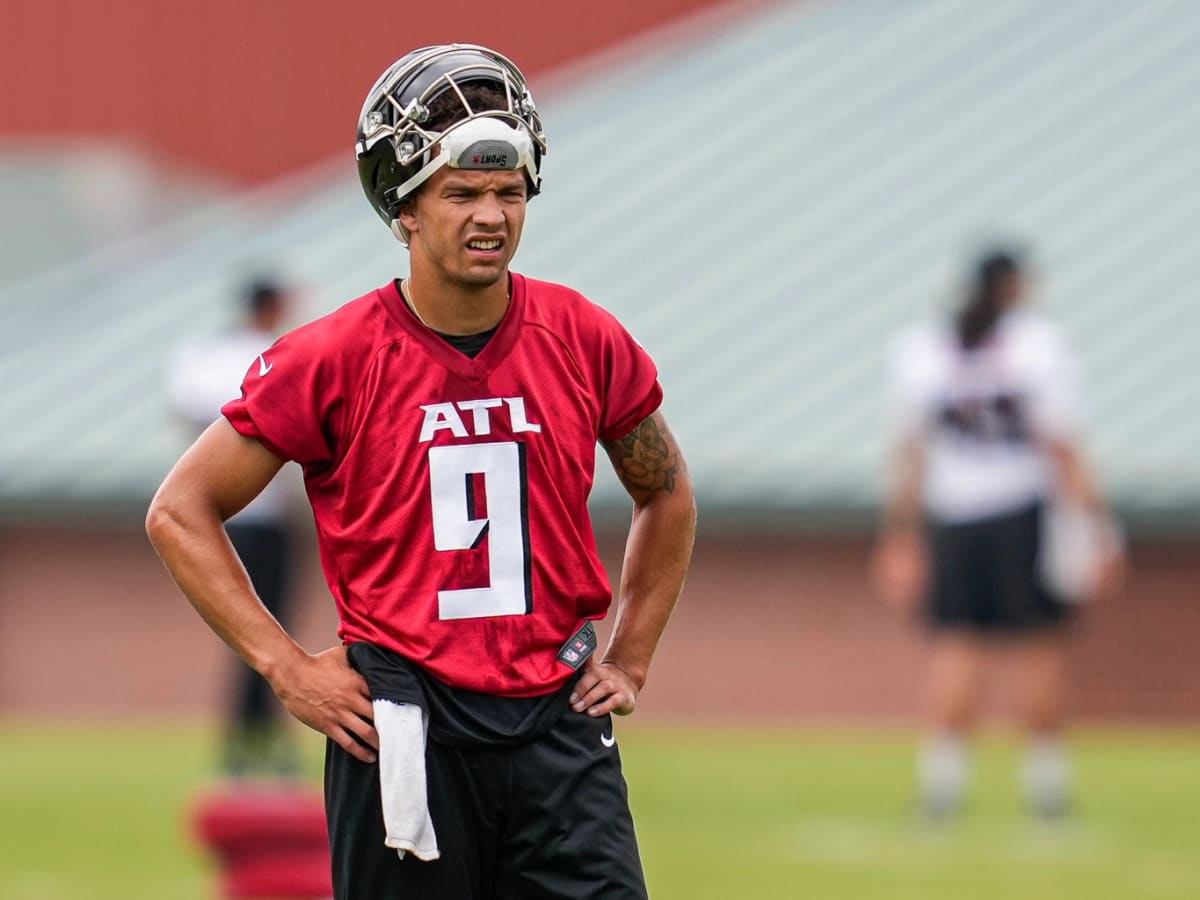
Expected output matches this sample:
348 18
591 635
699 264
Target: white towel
402 728
1075 544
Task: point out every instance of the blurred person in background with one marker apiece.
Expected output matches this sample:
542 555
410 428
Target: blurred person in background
447 425
201 377
984 443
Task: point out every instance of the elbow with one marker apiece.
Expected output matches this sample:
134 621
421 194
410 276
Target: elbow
159 520
678 504
165 519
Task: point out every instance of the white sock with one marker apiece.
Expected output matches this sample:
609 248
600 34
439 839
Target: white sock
943 771
1046 777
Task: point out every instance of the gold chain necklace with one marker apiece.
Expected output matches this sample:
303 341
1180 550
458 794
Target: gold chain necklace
406 292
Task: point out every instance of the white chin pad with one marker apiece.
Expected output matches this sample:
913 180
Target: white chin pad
488 143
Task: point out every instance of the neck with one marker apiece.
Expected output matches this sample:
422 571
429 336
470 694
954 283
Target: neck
456 309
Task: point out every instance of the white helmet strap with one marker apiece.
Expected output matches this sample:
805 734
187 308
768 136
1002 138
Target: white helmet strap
484 142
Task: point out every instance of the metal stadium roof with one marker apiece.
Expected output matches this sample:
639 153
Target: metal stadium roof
763 208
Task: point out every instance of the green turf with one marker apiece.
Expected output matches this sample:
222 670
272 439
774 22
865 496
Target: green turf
96 813
830 815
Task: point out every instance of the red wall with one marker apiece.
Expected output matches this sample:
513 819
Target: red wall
254 88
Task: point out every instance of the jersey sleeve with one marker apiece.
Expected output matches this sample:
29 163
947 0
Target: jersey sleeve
629 381
292 400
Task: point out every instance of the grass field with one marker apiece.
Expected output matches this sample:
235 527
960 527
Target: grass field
96 813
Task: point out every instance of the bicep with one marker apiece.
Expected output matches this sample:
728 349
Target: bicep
222 471
648 460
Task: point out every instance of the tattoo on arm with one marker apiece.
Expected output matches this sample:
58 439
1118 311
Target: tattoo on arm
646 459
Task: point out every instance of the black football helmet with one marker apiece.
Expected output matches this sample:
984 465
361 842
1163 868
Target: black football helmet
397 153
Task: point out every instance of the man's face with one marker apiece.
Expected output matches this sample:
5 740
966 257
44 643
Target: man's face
468 222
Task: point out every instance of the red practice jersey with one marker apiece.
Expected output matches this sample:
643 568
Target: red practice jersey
450 493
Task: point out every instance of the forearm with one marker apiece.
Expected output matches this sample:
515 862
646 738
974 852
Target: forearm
214 479
656 560
186 528
1073 478
902 511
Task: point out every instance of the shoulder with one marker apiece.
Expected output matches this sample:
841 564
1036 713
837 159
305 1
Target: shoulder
1034 337
329 356
585 329
621 373
1031 324
558 306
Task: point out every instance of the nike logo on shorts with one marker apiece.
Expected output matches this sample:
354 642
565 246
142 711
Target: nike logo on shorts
608 740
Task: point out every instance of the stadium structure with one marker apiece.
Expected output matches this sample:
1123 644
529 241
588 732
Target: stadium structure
764 193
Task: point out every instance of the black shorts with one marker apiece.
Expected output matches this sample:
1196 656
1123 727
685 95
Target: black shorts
985 576
540 820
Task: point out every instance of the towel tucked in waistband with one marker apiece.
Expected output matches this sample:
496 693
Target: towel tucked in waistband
412 707
402 729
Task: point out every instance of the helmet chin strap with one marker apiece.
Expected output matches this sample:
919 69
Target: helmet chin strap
400 232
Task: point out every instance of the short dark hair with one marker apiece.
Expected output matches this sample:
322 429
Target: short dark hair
261 294
446 108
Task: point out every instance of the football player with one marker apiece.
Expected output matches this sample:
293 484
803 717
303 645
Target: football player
446 424
984 443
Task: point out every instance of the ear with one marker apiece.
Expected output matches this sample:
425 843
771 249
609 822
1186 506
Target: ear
407 215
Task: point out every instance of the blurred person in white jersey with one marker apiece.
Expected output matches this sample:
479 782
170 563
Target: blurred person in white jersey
202 375
984 443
